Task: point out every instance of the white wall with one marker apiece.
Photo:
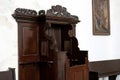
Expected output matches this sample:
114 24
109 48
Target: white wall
99 47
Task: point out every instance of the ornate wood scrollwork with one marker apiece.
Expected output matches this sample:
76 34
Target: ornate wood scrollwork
60 12
22 11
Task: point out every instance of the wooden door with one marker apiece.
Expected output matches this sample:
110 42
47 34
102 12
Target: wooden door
28 42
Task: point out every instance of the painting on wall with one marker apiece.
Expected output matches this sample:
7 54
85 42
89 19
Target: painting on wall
101 17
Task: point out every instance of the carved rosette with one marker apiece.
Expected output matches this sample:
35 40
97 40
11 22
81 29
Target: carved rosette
27 12
60 12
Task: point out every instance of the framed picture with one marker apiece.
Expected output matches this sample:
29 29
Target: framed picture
101 17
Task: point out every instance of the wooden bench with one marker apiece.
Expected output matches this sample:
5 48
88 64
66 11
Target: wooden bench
79 71
8 75
106 68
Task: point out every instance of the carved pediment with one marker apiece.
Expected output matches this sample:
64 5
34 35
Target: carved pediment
60 12
56 13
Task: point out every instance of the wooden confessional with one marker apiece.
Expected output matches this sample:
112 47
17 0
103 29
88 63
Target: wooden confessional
48 48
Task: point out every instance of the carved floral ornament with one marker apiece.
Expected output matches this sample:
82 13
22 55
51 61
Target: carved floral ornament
22 11
57 10
60 12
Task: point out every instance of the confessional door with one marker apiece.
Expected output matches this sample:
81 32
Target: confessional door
28 42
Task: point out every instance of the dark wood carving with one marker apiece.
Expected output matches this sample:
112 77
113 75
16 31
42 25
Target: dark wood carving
46 41
60 12
50 35
22 11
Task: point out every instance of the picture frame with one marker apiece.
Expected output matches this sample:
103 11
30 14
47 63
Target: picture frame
101 17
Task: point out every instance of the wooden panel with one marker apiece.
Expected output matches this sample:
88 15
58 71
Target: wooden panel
28 42
72 76
80 72
86 73
29 72
77 72
79 75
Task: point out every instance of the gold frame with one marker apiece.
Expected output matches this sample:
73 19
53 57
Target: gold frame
101 17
